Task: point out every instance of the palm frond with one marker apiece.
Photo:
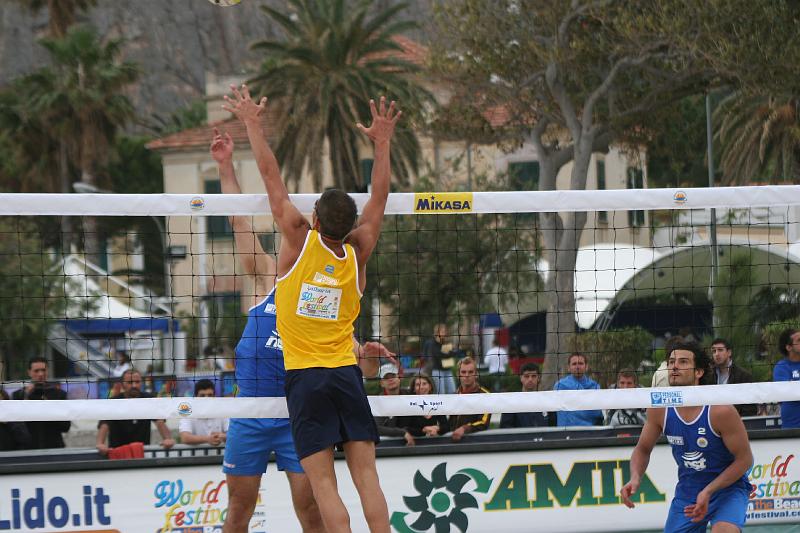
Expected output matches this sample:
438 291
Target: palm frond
334 57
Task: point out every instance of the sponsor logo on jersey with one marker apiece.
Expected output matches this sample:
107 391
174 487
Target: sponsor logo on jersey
319 277
329 269
694 460
702 442
274 341
675 440
269 309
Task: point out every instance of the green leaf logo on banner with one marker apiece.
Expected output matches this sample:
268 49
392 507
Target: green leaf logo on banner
440 502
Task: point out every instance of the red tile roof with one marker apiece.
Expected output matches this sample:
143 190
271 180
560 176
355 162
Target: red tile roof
200 137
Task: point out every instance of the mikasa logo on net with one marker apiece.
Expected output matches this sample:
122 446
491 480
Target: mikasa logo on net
442 202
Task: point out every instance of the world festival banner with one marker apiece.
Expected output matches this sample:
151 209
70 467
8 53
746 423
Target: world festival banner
558 490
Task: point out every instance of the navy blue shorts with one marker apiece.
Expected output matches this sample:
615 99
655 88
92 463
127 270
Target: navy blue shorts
328 406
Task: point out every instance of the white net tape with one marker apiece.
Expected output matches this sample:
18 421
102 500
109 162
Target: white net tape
407 405
408 203
404 203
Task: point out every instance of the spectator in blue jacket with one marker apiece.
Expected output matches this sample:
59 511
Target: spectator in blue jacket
788 369
577 380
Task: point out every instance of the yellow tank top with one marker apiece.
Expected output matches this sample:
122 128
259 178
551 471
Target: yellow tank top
317 302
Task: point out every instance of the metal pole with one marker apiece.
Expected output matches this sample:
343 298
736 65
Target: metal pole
712 227
469 166
205 329
167 281
167 290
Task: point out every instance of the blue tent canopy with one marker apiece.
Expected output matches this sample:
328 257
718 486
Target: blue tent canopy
97 326
491 320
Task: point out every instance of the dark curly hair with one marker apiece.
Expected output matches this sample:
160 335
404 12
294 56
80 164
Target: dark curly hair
701 359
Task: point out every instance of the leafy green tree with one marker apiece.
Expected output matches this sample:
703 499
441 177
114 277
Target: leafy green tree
334 57
676 150
574 77
32 293
772 333
612 351
733 313
433 268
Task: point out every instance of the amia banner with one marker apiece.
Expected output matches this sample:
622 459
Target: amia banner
572 490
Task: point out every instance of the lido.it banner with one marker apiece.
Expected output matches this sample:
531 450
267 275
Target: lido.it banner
550 490
155 500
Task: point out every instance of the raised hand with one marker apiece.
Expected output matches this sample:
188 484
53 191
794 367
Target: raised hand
221 146
383 121
243 106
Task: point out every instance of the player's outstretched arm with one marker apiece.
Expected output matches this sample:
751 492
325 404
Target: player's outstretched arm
640 457
254 261
366 234
726 421
290 221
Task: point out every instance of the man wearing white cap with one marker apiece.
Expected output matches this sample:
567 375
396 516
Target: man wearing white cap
390 385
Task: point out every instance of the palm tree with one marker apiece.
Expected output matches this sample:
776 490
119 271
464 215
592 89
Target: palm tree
61 13
759 137
31 162
80 99
37 158
333 59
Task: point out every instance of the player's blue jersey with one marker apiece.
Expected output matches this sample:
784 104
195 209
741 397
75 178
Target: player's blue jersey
699 451
259 354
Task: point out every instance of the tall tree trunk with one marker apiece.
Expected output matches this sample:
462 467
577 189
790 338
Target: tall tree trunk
561 235
67 226
91 236
560 290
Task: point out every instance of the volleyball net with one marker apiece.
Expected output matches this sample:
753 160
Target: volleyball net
97 283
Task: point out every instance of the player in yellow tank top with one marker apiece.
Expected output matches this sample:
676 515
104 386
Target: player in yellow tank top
321 276
320 294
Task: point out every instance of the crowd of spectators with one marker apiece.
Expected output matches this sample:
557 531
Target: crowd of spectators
444 371
495 372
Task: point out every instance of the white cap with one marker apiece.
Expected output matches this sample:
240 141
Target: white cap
388 368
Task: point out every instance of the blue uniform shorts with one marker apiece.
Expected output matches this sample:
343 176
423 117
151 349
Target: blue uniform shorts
251 441
726 505
328 406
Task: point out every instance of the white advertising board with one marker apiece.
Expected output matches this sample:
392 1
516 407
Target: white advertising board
550 490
